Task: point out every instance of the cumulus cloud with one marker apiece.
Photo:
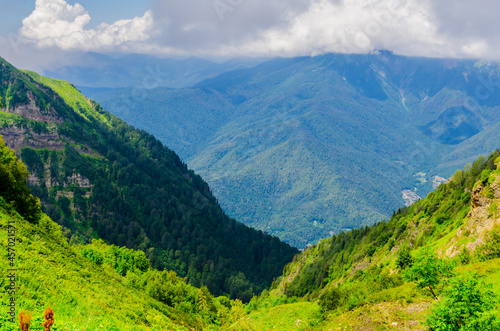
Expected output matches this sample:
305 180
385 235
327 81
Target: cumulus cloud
353 26
57 23
308 27
469 25
228 28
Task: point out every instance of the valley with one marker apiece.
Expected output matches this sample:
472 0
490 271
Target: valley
190 267
101 179
235 165
304 147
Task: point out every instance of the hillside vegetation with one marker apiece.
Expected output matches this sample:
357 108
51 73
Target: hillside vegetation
102 179
89 287
434 265
305 147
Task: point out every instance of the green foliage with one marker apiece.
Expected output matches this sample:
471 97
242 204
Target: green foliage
121 259
429 271
205 303
265 173
368 279
115 284
267 300
466 305
81 292
464 257
92 255
491 247
13 185
333 258
404 259
108 180
330 299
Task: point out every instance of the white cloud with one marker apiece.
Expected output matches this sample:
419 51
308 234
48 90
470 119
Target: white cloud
406 27
352 26
445 28
57 23
308 27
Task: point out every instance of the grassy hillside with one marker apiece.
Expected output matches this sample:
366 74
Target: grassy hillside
100 178
83 295
371 278
305 147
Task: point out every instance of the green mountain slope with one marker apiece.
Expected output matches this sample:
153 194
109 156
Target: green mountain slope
101 178
365 279
437 220
305 147
52 273
93 286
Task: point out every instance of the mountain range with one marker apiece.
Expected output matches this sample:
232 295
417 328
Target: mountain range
434 264
303 148
99 72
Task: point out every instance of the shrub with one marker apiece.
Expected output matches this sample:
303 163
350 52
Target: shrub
428 271
330 299
465 306
404 259
491 247
92 255
464 257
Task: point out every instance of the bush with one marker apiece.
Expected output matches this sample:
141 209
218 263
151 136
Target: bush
13 185
330 299
404 259
491 247
465 306
92 255
428 271
464 257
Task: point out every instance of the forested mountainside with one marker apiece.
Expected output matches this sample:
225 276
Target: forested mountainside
433 266
444 216
306 147
100 178
94 286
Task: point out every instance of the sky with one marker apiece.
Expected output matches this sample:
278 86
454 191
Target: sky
44 33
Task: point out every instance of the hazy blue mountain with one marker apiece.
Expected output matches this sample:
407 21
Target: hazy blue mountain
306 147
93 70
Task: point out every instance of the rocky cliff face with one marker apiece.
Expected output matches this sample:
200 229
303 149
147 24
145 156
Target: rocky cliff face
18 137
483 215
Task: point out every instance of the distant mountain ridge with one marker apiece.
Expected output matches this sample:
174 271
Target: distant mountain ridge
306 147
94 70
